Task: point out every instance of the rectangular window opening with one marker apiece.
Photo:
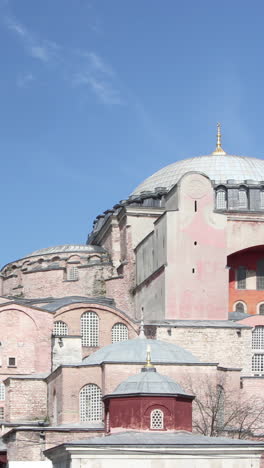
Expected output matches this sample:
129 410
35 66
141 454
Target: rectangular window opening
11 362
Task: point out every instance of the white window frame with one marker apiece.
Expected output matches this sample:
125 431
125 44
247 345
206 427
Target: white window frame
90 329
221 199
2 391
60 328
242 302
119 332
258 308
155 415
91 408
72 273
257 346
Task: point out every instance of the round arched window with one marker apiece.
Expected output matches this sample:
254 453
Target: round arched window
91 403
156 419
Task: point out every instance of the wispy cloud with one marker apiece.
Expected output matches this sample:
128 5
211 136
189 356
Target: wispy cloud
100 78
87 68
39 49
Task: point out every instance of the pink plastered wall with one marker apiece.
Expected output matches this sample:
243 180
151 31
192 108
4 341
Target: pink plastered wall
196 276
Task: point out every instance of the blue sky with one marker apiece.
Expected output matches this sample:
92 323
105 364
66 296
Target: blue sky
97 95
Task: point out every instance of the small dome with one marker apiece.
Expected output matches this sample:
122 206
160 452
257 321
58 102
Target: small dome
67 248
216 167
134 351
149 382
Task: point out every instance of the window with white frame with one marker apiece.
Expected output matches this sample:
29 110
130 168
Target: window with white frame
119 332
258 338
261 309
156 419
258 363
72 273
258 349
261 196
2 413
91 403
2 391
242 199
90 329
221 199
240 307
241 278
60 328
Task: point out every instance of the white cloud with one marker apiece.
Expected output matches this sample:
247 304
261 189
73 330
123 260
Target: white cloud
42 50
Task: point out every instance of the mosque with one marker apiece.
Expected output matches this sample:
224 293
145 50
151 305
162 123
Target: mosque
105 347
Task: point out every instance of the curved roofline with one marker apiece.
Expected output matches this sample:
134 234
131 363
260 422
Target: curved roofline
138 189
41 252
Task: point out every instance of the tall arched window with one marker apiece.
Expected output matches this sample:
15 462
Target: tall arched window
156 419
261 196
258 349
60 328
2 391
240 307
221 199
119 332
261 309
242 198
90 329
91 403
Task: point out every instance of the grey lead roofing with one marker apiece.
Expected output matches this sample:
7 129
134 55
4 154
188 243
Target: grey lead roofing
149 382
80 248
134 351
179 438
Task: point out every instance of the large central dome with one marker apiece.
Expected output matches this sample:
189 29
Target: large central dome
218 167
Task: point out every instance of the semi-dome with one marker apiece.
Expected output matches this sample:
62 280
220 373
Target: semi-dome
80 248
149 382
218 167
134 351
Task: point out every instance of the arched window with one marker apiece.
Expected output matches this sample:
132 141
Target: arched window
221 199
119 332
261 309
258 348
242 198
72 273
60 328
156 419
90 329
240 307
2 391
258 338
261 196
91 403
241 278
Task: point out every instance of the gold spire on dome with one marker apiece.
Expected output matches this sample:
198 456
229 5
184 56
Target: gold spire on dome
219 150
148 359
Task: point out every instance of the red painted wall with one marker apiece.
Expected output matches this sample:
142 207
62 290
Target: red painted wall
247 259
134 412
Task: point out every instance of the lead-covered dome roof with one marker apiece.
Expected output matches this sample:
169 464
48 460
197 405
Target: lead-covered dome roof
67 248
134 351
149 382
218 167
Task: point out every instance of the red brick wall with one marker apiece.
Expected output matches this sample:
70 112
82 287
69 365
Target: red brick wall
252 298
134 412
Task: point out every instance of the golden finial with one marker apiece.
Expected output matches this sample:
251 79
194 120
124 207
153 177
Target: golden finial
148 359
219 149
